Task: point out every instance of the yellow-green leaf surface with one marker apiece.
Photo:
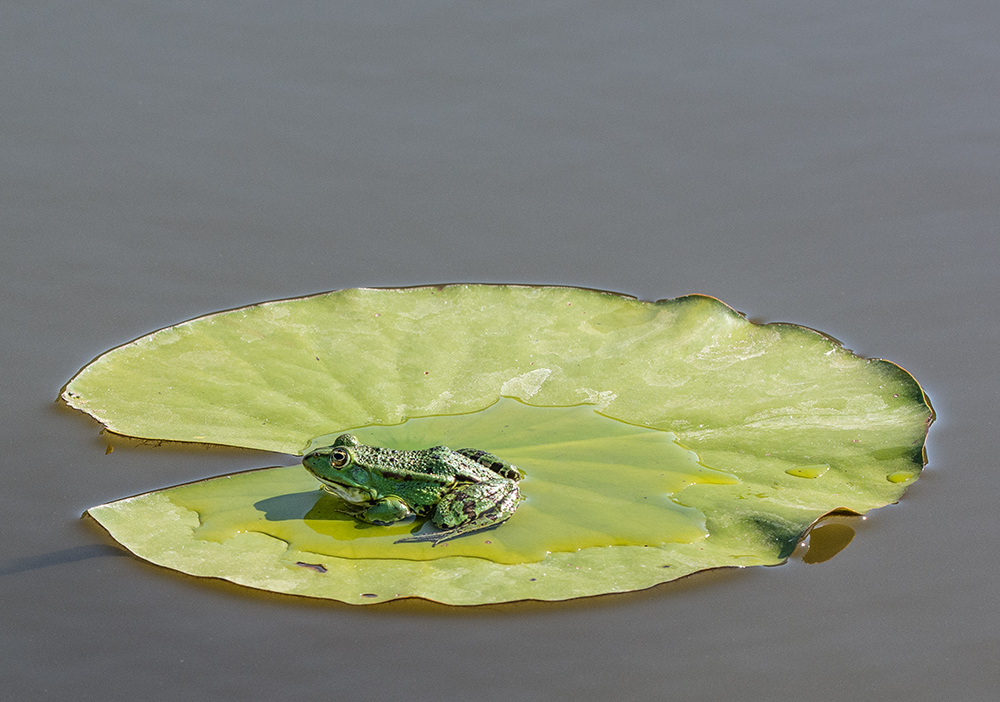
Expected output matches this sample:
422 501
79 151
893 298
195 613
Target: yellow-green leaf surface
788 423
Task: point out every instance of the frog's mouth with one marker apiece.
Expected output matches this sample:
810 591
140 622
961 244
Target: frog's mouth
353 495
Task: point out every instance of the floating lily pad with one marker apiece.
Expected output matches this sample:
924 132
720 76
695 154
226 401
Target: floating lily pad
787 423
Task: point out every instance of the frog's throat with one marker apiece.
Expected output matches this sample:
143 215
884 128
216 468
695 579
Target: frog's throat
353 495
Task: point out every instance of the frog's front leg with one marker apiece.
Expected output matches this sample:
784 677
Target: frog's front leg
494 463
386 511
472 507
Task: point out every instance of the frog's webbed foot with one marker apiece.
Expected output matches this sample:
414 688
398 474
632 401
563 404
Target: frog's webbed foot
494 463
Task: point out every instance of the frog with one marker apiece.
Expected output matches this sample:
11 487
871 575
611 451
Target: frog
462 491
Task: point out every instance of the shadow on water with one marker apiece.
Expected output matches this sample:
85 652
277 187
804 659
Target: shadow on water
55 558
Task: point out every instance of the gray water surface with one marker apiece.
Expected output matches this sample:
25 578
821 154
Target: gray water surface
829 164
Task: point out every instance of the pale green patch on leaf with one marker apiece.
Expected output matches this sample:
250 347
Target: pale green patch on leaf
785 423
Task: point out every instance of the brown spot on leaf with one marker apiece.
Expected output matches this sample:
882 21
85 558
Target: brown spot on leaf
318 567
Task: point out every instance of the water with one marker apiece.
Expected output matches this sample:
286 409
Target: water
832 165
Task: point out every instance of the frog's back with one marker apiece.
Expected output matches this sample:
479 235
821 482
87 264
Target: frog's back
438 461
383 460
463 467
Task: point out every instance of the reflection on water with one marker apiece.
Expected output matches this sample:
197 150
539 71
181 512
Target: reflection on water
62 557
827 538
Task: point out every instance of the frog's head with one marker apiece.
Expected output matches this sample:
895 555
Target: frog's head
336 467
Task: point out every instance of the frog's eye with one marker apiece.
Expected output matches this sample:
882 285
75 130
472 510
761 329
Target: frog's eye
339 457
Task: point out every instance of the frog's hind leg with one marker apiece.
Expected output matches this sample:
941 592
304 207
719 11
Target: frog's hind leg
470 508
491 461
439 537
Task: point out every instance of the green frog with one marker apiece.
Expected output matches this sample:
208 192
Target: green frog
462 491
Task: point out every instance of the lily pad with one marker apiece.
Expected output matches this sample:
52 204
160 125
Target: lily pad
788 424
